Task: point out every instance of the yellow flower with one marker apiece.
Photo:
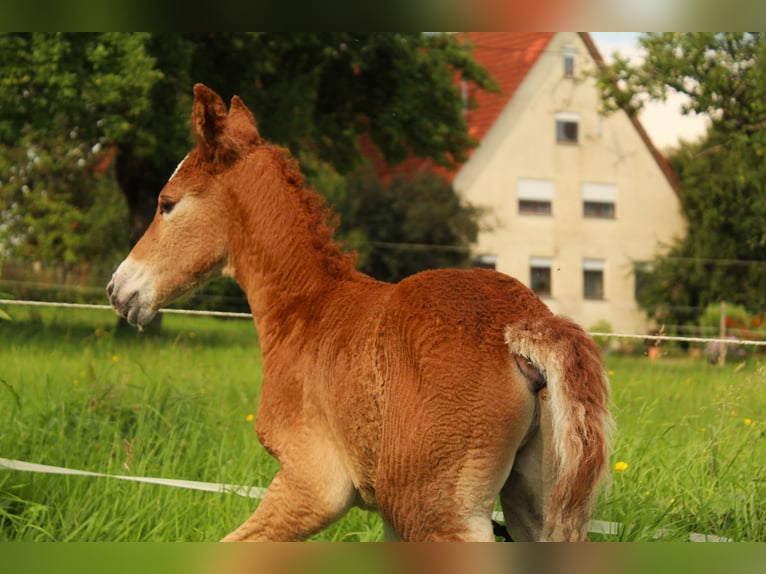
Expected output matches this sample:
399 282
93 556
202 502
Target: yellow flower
250 418
610 373
647 493
621 466
672 501
115 358
75 382
748 422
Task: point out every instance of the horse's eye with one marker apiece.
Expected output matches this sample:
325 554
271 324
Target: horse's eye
166 206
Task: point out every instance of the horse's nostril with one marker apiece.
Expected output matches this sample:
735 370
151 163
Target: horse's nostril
110 289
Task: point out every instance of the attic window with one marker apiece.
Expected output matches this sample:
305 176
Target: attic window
567 127
568 58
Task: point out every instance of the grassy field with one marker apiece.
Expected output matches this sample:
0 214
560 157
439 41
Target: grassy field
690 450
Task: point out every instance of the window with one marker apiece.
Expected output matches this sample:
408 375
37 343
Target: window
593 278
598 209
485 261
464 95
567 127
568 66
540 275
568 54
531 207
598 200
535 196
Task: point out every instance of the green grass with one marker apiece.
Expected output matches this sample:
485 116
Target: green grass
74 393
693 437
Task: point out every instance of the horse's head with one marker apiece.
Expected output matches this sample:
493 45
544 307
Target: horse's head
187 242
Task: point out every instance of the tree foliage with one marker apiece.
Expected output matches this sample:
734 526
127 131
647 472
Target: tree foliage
63 97
723 256
313 92
60 204
322 90
91 86
412 224
721 73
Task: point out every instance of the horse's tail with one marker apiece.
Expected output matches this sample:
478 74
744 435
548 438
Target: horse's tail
577 391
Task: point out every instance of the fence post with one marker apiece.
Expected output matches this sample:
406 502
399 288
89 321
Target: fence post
722 336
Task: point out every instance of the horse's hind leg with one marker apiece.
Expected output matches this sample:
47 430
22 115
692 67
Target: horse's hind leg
302 499
526 493
442 470
434 518
454 505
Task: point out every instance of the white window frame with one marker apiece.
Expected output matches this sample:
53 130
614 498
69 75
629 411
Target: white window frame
568 118
486 261
568 53
604 194
535 191
541 263
594 266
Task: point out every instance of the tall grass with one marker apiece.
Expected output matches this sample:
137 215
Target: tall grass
690 449
180 405
74 393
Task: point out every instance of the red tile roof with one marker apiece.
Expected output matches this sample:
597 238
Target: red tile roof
508 57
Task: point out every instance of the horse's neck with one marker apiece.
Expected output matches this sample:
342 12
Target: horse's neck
279 255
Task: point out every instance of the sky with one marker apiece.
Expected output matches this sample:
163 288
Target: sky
663 121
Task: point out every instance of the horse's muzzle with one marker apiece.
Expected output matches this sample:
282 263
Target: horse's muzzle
129 293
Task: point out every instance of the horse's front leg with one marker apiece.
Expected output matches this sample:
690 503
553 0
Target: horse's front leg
306 495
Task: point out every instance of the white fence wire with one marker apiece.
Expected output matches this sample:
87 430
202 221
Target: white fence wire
603 527
227 314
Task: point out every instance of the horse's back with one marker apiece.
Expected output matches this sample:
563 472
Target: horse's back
447 328
476 303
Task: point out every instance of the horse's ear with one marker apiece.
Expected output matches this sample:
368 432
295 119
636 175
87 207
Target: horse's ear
208 117
242 124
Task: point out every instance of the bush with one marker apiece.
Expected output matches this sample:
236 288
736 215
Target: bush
739 324
602 326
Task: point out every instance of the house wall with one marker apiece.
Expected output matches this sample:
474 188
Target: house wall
522 144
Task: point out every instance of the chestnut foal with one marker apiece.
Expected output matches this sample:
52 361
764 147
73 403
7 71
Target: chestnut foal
423 400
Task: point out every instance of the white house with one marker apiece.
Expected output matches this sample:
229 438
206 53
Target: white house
577 201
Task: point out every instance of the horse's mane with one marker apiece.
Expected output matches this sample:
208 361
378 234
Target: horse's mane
321 221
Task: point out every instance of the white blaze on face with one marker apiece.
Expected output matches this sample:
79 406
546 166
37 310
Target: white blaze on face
131 292
175 171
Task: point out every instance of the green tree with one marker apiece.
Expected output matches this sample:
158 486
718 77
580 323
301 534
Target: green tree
415 223
314 92
60 204
64 98
723 256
